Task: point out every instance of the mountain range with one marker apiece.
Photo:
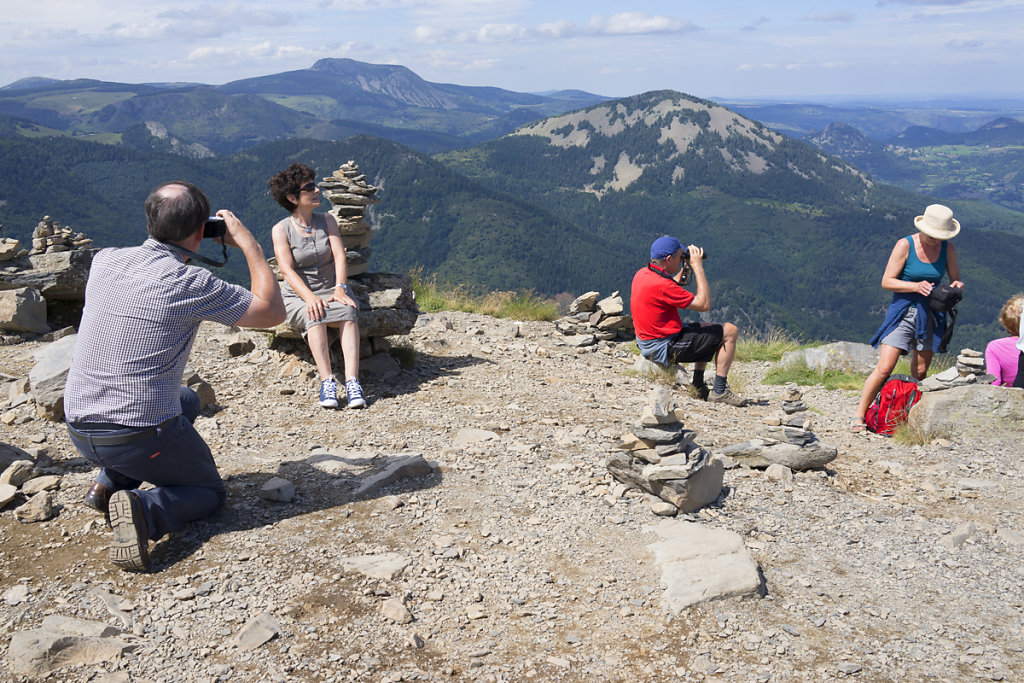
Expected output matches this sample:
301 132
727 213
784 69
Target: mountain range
334 98
565 202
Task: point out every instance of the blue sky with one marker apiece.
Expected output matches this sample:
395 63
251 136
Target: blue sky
811 49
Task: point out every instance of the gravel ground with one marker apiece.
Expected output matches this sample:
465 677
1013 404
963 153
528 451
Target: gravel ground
524 559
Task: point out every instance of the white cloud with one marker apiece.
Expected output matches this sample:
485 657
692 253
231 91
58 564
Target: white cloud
557 29
428 35
202 21
493 33
623 24
637 23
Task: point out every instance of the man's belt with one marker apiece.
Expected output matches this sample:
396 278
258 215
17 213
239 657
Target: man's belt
119 439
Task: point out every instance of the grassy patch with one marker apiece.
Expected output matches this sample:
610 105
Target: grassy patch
914 435
766 346
799 373
432 296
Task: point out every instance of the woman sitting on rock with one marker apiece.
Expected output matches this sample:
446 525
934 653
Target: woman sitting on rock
916 265
1002 358
312 260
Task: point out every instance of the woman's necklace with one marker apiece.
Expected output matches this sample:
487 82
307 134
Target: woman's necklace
308 229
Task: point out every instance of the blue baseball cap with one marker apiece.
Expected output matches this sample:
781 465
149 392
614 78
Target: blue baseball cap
665 246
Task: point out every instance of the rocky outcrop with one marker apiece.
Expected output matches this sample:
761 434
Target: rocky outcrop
23 310
49 375
57 275
973 409
840 356
10 249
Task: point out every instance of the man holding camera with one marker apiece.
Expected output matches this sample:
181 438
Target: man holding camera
657 294
126 410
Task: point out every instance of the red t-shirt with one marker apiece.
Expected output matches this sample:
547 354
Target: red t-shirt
653 303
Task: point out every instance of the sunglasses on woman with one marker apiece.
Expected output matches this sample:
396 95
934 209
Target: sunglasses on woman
308 187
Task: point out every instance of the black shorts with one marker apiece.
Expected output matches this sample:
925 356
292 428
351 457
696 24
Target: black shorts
695 343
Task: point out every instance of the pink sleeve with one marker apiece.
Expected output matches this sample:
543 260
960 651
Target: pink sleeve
992 366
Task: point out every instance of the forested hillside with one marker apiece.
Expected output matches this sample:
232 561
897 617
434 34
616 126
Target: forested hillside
796 239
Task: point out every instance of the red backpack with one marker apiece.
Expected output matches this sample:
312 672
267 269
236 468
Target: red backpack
892 405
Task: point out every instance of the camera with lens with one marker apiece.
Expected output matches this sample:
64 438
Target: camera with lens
214 227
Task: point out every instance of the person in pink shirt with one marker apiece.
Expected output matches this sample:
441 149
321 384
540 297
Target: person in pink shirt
1002 356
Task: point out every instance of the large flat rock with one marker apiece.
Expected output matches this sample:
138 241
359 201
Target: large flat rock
968 411
842 356
700 563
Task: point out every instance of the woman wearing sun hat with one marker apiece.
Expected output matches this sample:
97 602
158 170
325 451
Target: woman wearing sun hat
916 265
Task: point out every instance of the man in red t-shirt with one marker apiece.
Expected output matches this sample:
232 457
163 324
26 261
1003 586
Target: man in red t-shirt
656 296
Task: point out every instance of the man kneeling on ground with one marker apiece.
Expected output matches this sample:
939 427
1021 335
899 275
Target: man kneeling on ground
656 296
126 410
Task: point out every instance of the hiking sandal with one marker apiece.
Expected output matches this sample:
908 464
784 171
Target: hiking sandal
857 425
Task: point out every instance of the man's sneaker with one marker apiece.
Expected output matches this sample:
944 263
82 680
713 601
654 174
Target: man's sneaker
130 548
329 393
354 394
727 396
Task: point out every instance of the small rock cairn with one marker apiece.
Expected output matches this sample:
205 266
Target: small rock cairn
969 369
50 236
590 320
660 457
350 195
788 439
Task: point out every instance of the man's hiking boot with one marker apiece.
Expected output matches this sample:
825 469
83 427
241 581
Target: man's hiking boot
727 396
130 548
701 391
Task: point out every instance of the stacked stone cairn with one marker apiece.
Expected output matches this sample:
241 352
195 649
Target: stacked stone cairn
49 237
350 195
658 456
788 439
591 320
387 304
969 369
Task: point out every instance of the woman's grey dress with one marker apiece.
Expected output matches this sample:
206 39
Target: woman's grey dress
314 263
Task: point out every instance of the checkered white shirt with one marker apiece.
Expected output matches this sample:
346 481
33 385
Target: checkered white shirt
143 306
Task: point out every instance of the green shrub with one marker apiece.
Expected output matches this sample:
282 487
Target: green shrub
768 346
405 354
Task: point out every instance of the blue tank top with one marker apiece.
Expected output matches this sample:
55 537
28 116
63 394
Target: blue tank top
916 270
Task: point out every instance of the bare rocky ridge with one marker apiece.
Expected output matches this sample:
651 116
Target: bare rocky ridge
490 543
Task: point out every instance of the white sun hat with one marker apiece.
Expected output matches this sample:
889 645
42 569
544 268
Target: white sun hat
938 222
